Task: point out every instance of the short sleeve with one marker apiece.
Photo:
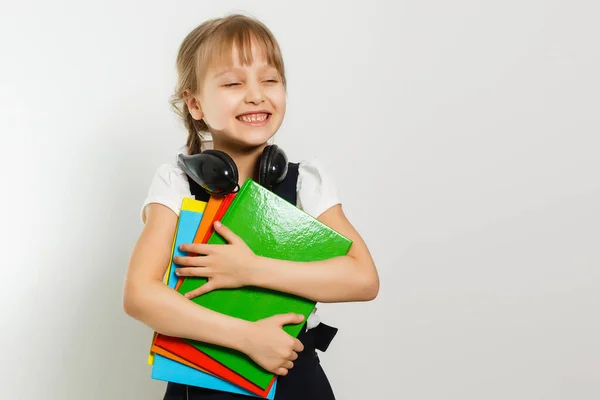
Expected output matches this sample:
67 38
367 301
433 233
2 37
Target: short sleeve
316 188
169 186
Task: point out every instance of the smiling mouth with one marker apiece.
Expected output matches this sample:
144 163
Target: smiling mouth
254 119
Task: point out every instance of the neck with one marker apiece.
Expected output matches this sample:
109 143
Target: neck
245 159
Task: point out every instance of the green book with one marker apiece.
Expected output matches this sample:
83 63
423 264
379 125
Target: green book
272 227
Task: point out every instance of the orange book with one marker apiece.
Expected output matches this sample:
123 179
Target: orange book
206 224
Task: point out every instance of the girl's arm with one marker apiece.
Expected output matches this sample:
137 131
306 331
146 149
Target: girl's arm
147 299
352 277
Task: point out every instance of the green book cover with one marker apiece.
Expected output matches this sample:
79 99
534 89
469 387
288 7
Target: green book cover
272 227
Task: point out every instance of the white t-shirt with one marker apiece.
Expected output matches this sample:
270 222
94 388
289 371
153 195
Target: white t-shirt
316 192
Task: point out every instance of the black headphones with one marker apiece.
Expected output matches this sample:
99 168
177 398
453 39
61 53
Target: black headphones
216 172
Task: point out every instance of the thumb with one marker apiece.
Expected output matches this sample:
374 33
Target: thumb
287 319
226 232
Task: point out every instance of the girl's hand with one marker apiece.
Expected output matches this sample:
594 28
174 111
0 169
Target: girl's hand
225 266
270 346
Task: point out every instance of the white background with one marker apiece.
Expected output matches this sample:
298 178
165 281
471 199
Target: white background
464 139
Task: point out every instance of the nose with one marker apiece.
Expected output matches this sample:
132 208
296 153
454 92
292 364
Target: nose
254 93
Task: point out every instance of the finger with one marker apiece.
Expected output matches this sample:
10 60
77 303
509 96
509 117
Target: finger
192 271
197 248
207 287
289 318
227 233
288 364
298 346
193 261
281 371
294 356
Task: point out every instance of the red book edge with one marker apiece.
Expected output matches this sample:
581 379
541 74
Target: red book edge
191 354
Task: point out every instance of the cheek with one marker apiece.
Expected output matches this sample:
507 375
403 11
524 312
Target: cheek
278 99
220 108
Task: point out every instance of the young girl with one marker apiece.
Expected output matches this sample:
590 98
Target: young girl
232 85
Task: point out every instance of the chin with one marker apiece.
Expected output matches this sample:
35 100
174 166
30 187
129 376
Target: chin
255 138
245 143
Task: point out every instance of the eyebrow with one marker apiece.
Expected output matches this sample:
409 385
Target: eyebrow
224 71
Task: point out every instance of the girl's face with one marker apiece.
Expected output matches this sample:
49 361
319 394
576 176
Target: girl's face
243 105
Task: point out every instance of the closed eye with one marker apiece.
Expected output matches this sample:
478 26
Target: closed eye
231 84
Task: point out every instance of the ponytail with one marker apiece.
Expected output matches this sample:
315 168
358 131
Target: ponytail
193 126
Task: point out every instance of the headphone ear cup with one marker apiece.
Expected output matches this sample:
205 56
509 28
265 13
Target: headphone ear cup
263 165
273 166
213 170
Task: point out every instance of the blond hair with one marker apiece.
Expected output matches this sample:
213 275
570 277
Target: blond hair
213 41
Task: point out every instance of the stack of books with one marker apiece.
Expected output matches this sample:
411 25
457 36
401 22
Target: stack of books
271 227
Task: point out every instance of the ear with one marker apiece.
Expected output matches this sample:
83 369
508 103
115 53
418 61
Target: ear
193 105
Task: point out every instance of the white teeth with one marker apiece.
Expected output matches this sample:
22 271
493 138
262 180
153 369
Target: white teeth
253 117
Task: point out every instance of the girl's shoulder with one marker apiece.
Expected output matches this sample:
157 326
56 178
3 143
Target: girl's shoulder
316 187
168 187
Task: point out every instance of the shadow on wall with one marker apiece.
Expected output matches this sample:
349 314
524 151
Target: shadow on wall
104 351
